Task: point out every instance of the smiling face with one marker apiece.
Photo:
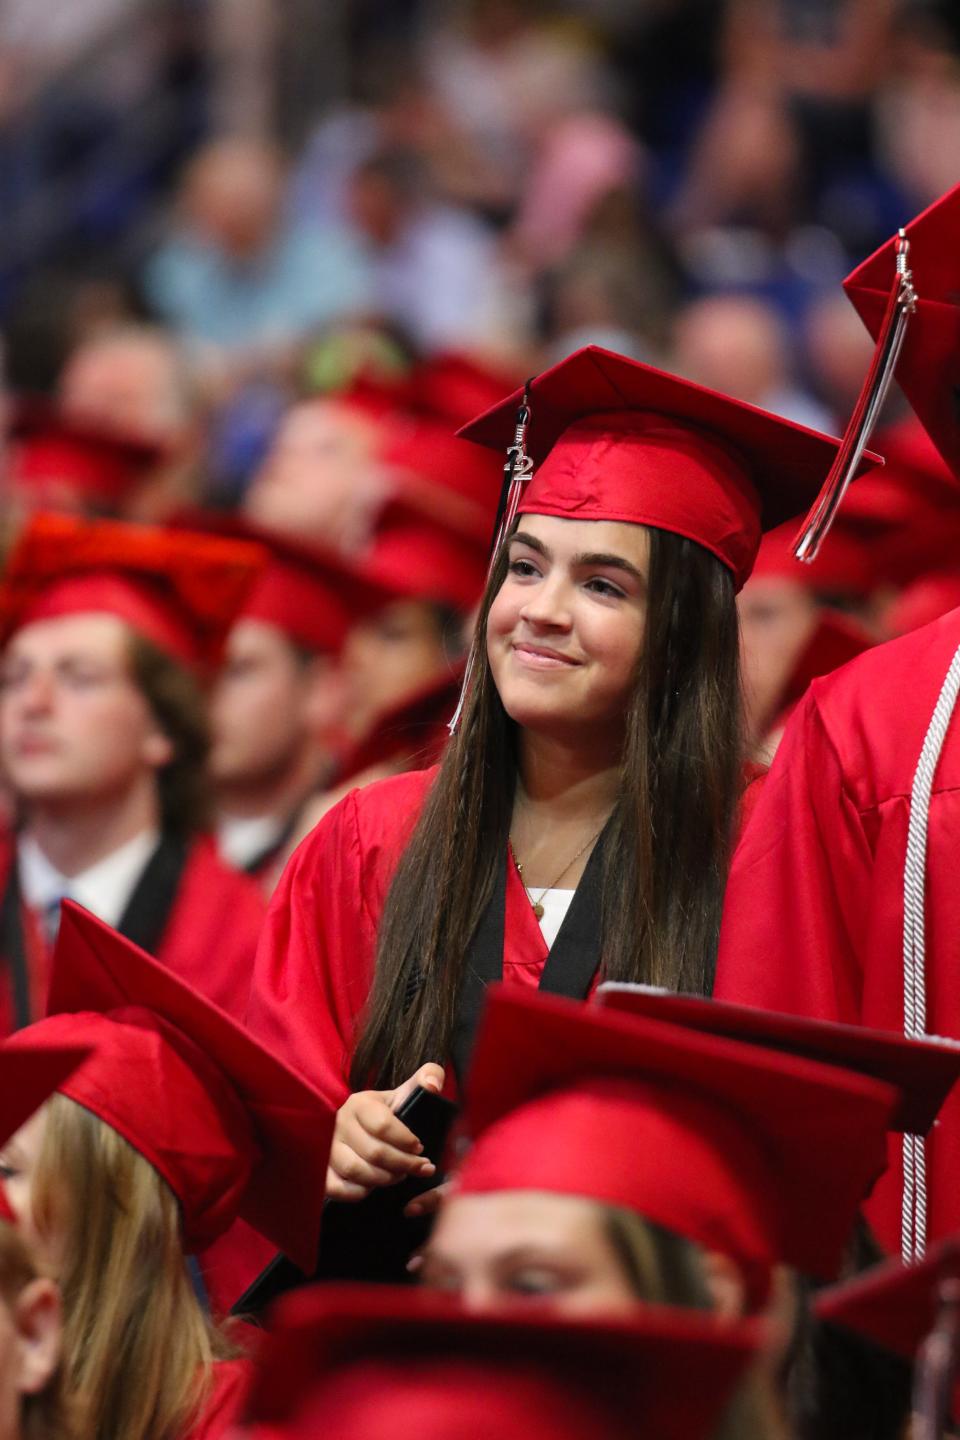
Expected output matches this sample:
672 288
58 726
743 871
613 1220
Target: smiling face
518 1246
565 631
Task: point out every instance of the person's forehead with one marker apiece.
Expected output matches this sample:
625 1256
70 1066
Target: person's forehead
251 638
93 633
572 537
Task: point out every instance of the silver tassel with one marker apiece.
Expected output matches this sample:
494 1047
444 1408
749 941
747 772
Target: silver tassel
517 470
903 302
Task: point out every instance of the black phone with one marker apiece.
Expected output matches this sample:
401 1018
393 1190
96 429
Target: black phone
372 1240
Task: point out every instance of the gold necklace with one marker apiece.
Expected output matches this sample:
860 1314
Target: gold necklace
537 905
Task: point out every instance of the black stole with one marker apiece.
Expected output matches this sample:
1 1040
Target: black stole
569 968
143 921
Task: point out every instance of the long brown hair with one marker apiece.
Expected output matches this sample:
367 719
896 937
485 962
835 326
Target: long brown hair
665 862
138 1349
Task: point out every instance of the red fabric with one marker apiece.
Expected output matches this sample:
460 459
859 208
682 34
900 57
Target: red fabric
229 1126
378 1363
316 955
414 730
758 1154
28 1076
924 601
230 1386
182 591
894 1305
428 458
614 439
416 555
91 460
923 1071
813 921
844 565
929 366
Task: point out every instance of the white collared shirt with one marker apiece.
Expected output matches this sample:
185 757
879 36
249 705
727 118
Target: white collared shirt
241 839
555 904
104 889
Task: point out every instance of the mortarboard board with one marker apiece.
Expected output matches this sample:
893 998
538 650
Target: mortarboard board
758 1155
227 1124
28 1077
96 462
893 1304
367 1363
179 590
613 439
924 1071
313 594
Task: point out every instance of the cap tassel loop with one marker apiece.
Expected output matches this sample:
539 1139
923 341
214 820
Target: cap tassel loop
901 304
517 471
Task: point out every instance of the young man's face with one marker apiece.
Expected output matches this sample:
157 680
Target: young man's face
73 724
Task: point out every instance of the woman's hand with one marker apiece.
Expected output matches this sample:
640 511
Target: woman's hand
371 1147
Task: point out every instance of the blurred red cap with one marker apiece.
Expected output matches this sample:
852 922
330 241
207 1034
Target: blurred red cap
614 439
179 590
228 1125
376 1363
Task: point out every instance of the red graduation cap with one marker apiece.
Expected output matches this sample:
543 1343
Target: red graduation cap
420 556
231 1128
28 1076
179 590
923 1071
845 565
441 473
928 369
759 1155
893 1304
314 595
95 462
378 1363
613 439
454 386
413 730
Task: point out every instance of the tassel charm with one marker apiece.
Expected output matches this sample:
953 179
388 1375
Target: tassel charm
901 304
517 470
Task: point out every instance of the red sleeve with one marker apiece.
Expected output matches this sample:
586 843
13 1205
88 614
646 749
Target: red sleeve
798 896
315 959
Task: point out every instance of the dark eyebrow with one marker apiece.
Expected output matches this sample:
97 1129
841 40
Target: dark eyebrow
609 559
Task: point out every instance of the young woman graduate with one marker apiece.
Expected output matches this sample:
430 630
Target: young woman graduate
580 821
177 1124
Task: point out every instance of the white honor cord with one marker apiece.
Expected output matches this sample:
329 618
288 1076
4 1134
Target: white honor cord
913 1233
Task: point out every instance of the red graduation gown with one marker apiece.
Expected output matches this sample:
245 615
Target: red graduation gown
228 1393
315 961
814 911
209 939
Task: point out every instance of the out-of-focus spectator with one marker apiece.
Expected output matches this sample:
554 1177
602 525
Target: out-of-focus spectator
740 345
234 275
136 380
918 110
435 268
319 480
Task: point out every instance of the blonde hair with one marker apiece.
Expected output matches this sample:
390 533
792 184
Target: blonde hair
43 1416
138 1348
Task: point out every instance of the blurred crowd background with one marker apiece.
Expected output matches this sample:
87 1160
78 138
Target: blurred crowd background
219 214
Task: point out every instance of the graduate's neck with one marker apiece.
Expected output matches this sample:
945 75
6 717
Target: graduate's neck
565 782
278 792
79 832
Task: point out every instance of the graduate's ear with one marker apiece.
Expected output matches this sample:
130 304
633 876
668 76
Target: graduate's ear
725 1284
38 1322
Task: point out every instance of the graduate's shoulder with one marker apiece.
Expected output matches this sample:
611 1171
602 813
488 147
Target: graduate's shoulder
377 817
875 711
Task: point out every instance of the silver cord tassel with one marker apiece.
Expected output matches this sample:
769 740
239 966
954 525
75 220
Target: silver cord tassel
517 470
901 305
